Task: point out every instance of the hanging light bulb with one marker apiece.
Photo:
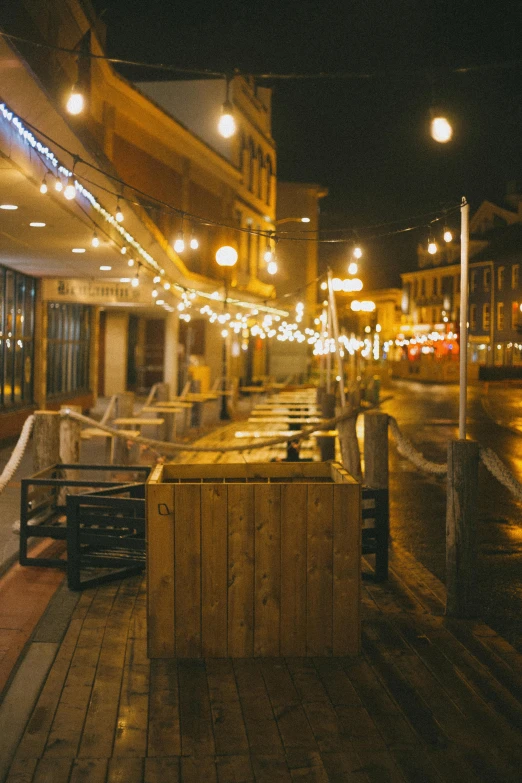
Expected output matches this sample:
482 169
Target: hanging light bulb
136 280
154 293
448 236
272 268
324 285
70 190
130 262
352 268
179 244
227 123
76 101
194 244
432 246
43 186
119 214
157 279
123 250
357 251
166 286
95 242
58 185
441 130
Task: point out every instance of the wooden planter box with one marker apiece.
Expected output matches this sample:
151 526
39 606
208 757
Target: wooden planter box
253 560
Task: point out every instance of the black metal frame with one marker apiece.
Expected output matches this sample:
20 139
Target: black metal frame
52 507
105 532
375 540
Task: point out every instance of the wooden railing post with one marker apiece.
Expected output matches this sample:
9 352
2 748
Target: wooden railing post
70 439
461 518
124 410
46 439
376 477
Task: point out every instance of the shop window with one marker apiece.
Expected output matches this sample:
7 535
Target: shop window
500 316
17 295
514 276
500 278
487 279
485 316
473 317
68 344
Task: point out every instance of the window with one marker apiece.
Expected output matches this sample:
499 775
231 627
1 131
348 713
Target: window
423 289
487 279
17 295
500 278
473 280
473 317
269 175
500 316
514 276
485 317
515 315
69 332
435 287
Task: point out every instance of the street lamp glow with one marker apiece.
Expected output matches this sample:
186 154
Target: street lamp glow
441 130
226 256
76 101
227 123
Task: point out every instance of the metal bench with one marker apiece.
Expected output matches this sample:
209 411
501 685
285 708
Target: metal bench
105 535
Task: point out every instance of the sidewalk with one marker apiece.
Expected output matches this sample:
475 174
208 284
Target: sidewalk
429 699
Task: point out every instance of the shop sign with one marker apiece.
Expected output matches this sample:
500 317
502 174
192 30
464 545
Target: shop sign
91 292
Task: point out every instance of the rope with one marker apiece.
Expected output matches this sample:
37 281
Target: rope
18 452
408 450
497 468
177 446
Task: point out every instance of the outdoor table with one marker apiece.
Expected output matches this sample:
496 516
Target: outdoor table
169 411
290 420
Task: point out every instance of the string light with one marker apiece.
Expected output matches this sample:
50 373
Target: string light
58 185
432 246
70 190
441 130
119 214
357 252
194 244
75 102
130 262
448 236
272 268
157 279
95 242
43 186
123 250
352 268
227 123
136 280
154 293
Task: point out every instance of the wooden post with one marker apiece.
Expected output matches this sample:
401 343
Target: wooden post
46 439
325 442
461 517
124 410
376 477
70 438
163 395
376 449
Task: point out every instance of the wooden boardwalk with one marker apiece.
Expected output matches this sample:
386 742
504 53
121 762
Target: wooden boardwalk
429 699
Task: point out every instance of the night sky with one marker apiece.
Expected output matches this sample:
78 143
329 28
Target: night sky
366 140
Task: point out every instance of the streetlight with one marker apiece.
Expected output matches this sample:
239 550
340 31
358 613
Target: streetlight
226 258
292 220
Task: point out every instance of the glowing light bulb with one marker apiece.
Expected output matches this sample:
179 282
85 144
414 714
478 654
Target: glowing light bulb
119 214
194 244
441 130
58 185
272 268
70 190
227 256
432 247
95 242
75 102
43 186
166 286
448 236
135 281
224 333
267 256
227 123
157 279
154 293
179 244
324 285
123 250
357 252
130 262
352 268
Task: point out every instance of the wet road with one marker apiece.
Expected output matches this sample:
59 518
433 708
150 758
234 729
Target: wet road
428 415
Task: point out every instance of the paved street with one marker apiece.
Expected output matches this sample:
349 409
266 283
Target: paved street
428 415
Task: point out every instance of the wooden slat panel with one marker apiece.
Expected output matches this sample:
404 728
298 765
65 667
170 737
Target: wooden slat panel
240 570
214 570
267 601
294 499
347 569
164 738
187 570
160 571
319 569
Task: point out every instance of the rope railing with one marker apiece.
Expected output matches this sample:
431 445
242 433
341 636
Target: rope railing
408 450
18 452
